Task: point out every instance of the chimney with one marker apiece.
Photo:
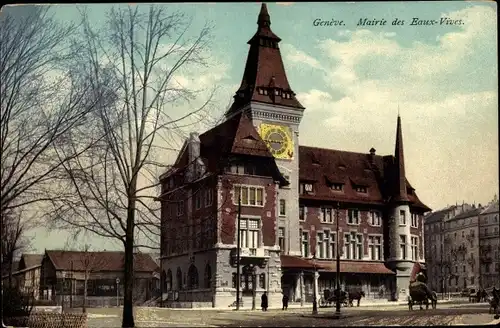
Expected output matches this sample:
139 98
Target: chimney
193 154
372 151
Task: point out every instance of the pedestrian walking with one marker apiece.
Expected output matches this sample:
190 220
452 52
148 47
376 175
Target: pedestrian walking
285 302
263 301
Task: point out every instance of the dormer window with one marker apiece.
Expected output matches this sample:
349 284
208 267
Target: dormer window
265 92
342 166
260 91
337 186
306 188
276 92
360 189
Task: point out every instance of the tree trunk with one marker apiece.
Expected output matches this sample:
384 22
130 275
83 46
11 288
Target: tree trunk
128 314
11 264
84 307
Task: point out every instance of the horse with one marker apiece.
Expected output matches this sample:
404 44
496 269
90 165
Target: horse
355 295
494 301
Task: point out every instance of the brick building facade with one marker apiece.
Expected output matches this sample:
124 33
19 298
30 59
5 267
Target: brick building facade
291 198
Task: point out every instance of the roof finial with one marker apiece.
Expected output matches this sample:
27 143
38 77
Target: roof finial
398 110
264 19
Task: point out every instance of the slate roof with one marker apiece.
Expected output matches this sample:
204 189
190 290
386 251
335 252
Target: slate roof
30 261
324 167
492 208
467 214
100 261
437 216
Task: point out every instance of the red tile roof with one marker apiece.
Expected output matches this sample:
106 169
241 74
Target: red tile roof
356 267
100 261
325 167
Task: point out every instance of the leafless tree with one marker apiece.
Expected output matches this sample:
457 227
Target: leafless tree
14 223
41 101
90 263
114 183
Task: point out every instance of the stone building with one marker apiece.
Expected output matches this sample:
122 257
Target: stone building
461 249
292 200
489 241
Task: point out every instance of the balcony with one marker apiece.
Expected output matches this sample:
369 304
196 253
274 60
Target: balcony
255 256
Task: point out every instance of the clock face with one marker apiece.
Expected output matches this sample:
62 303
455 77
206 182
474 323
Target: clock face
278 139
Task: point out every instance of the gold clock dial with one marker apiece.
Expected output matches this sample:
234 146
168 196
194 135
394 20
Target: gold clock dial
278 139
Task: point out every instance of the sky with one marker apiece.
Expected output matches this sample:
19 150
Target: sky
353 81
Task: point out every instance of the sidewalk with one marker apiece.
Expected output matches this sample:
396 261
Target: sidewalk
363 303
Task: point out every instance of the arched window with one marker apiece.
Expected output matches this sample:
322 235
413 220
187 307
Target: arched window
168 280
208 276
192 277
179 279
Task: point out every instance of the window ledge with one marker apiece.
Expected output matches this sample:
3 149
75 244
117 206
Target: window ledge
325 222
375 225
402 225
353 224
243 205
282 215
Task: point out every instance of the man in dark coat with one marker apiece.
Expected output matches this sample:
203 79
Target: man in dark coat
285 302
263 302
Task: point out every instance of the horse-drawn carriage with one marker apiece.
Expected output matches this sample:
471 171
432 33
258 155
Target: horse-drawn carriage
421 294
330 298
346 298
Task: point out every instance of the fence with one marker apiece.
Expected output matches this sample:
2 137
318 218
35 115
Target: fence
50 320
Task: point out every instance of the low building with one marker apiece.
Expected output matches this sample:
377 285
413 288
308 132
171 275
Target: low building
489 240
26 274
64 275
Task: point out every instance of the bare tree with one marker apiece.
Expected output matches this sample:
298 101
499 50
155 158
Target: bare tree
41 101
90 263
114 183
14 225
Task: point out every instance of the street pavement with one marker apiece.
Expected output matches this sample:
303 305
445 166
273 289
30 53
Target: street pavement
451 313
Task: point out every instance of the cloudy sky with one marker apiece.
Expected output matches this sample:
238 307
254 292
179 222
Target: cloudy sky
353 80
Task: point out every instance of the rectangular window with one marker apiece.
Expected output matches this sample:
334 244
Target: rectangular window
414 248
250 196
326 215
282 207
402 246
353 246
302 213
353 217
375 248
360 189
198 199
325 248
402 217
305 243
320 246
281 238
180 208
414 220
209 197
375 218
249 233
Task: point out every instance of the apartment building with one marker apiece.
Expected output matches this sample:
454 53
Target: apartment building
489 241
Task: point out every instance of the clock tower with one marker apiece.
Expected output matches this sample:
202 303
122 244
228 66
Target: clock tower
265 95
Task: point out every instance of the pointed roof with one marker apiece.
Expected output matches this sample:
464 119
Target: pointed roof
400 193
264 79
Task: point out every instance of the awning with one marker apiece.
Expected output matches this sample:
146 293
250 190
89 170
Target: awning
356 267
288 261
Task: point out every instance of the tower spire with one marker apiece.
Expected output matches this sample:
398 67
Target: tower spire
264 19
400 187
264 79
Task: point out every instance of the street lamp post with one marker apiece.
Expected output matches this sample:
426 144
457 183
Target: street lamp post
315 292
337 278
117 292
